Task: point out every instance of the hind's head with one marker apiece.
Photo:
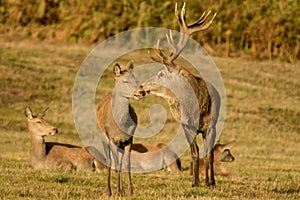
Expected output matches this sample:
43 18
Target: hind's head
126 83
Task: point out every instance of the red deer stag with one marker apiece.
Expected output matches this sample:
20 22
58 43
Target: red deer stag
174 75
118 121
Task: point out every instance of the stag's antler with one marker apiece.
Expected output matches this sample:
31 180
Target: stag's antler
185 32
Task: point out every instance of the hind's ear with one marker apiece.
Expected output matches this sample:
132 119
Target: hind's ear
28 113
229 144
117 70
130 65
43 113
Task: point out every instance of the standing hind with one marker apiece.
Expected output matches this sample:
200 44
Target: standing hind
118 121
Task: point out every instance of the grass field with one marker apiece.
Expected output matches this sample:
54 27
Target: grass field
263 116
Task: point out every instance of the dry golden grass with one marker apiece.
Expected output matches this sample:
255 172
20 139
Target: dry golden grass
263 116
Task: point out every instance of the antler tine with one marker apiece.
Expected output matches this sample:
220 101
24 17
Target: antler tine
201 28
185 32
157 44
180 19
176 12
159 52
171 41
183 18
153 57
160 56
201 20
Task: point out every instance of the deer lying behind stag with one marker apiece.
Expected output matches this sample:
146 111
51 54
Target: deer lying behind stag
147 157
221 154
50 155
152 156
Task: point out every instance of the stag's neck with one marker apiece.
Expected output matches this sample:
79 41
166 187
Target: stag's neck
38 153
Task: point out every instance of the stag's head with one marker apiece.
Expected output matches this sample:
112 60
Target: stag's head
126 84
167 76
164 82
186 30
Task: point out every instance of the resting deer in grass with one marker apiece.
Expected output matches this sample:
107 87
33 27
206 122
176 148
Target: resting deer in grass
50 155
117 120
147 156
221 154
174 75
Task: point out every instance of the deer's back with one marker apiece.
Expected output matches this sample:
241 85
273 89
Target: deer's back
161 157
68 157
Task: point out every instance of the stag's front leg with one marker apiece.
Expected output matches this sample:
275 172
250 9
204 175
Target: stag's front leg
195 161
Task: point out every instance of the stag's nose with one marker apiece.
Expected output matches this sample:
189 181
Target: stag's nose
142 91
146 88
139 93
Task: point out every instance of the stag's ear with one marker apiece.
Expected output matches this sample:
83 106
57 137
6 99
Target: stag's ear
42 114
130 65
166 68
28 113
179 73
117 70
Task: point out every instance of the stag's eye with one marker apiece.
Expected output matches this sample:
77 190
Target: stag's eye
125 81
160 74
38 122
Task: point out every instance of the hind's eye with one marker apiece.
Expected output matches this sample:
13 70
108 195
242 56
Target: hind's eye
38 122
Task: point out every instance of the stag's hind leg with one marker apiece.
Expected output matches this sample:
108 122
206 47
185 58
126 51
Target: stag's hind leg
211 181
195 162
208 144
192 140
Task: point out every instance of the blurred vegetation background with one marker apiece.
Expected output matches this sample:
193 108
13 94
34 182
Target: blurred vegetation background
259 29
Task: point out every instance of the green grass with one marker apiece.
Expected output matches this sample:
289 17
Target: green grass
262 116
